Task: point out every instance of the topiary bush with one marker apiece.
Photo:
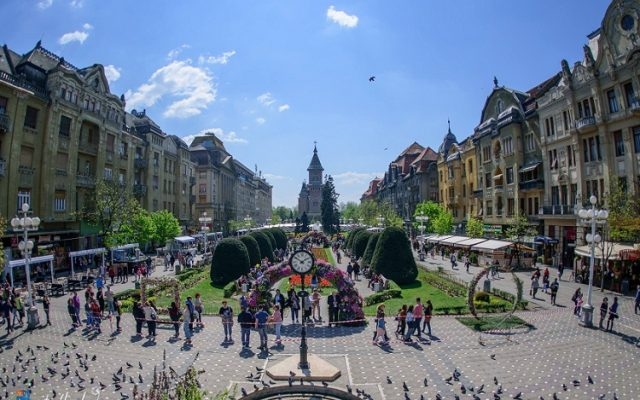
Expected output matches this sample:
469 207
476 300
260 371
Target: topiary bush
264 243
280 236
371 247
272 239
230 260
360 243
349 243
483 297
393 257
252 248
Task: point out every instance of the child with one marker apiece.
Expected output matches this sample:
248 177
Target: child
579 305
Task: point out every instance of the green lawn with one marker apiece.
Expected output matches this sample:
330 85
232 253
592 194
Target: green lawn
488 323
212 296
442 302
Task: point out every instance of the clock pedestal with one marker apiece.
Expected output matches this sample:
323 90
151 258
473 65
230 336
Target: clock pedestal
318 370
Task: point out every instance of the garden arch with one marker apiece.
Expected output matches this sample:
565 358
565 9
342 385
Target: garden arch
163 283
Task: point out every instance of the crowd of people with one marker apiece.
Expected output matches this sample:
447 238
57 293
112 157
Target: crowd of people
412 320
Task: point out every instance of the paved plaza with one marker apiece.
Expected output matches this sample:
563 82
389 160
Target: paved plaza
536 362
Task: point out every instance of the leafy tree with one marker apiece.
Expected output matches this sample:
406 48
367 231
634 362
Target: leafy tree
253 250
393 257
230 260
349 243
304 223
371 247
360 243
280 214
443 223
264 244
167 226
329 214
110 205
475 227
516 232
350 211
139 228
431 210
624 214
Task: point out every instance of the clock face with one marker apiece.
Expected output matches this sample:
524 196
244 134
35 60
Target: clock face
301 261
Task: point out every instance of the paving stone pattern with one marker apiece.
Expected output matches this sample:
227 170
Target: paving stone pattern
534 362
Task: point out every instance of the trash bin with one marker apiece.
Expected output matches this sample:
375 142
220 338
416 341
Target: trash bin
487 286
421 256
33 319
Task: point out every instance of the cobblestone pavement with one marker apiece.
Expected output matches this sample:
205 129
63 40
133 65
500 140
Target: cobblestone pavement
536 362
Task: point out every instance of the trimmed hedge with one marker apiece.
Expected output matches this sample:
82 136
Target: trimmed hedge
264 243
230 261
229 289
252 248
393 256
371 247
360 243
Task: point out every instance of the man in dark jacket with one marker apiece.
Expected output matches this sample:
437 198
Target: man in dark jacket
138 314
246 321
333 303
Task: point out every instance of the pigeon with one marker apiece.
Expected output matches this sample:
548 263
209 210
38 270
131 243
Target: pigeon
74 345
80 387
290 380
576 382
564 387
301 382
325 384
448 380
438 396
426 383
372 78
95 357
54 394
555 396
389 380
495 380
131 379
406 396
118 387
518 396
140 378
349 389
463 389
124 396
102 385
247 377
255 387
422 397
590 379
496 396
476 397
259 369
405 387
140 364
493 356
481 388
615 396
601 397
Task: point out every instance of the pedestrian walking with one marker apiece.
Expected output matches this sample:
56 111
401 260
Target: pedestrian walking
410 324
401 318
535 285
380 335
576 296
428 313
198 305
226 316
560 270
174 315
604 307
276 320
5 308
118 313
554 290
613 314
418 314
261 319
138 315
192 312
246 321
150 315
46 305
187 325
333 304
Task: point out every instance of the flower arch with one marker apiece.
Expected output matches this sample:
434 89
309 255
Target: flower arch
472 291
351 301
162 283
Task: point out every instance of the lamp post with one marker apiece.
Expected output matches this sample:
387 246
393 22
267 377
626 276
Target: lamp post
204 226
23 223
422 219
591 216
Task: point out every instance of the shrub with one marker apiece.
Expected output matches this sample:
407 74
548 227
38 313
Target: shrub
229 289
230 261
393 257
280 236
264 243
483 297
383 296
371 247
473 258
349 243
272 239
252 248
360 243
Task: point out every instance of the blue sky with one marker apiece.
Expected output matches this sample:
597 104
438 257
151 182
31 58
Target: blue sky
272 77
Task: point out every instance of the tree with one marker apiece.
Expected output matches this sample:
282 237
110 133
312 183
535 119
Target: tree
304 223
443 223
624 214
429 209
264 244
230 261
329 214
360 242
475 227
516 232
253 250
280 214
371 247
110 205
393 257
280 236
350 212
138 228
167 226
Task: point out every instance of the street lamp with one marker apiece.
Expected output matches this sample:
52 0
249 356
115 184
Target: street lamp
422 219
23 223
204 226
591 216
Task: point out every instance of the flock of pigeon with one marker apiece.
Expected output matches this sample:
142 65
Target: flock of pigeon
73 369
468 390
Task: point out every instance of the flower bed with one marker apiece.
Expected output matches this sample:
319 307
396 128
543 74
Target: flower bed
296 280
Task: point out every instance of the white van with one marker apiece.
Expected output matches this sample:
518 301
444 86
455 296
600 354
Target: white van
186 245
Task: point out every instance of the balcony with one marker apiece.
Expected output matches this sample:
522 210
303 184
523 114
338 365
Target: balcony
634 107
531 185
139 190
85 180
584 124
478 193
26 175
557 209
5 123
140 163
3 167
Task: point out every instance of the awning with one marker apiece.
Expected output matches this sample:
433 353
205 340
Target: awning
453 239
80 253
545 240
437 238
126 247
491 245
496 177
529 167
604 250
32 261
184 239
470 242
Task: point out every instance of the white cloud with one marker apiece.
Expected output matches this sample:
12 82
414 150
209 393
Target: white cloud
87 26
355 178
112 73
283 107
77 36
44 4
342 18
221 59
266 99
173 54
260 120
227 137
76 3
189 88
272 177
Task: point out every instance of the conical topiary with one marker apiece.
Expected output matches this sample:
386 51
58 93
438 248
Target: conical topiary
393 257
